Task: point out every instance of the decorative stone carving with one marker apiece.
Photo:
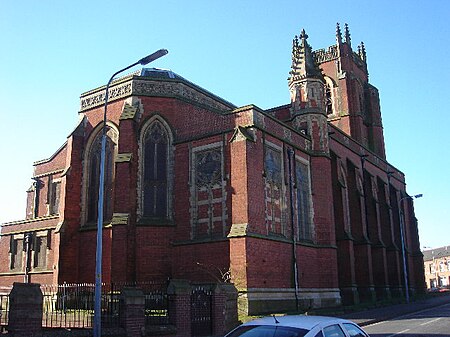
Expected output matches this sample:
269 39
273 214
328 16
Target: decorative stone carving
322 55
241 133
287 134
158 88
128 112
123 157
259 119
120 219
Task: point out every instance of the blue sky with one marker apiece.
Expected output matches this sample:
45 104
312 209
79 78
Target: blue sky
52 51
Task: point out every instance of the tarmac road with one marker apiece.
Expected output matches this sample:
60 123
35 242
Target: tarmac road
428 317
428 322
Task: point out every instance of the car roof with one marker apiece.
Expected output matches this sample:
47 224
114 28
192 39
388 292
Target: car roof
297 321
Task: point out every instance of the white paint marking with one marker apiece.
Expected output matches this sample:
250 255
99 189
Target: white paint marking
434 320
398 333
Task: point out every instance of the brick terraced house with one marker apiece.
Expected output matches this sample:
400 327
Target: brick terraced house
437 268
296 204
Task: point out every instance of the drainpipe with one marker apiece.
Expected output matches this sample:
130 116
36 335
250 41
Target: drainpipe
27 240
294 242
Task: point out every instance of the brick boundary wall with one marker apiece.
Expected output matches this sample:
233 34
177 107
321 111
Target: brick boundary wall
26 311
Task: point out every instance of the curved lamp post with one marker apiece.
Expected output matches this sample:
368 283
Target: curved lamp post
98 257
402 239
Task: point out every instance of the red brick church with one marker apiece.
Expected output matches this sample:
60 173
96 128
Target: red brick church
294 204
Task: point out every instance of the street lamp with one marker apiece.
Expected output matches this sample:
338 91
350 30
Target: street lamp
402 239
98 257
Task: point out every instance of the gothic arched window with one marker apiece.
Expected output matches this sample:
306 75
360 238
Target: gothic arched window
328 100
155 165
93 175
274 190
303 196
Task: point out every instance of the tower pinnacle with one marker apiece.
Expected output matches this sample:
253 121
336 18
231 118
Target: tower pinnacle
303 63
348 40
338 34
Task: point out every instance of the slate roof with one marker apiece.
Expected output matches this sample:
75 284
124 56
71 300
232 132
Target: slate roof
436 253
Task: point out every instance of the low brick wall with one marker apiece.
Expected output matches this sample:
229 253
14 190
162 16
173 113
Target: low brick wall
26 311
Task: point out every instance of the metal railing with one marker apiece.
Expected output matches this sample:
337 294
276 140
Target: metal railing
72 305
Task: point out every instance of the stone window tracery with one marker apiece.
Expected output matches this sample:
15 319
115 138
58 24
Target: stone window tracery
92 175
303 195
208 193
156 145
328 100
344 194
274 191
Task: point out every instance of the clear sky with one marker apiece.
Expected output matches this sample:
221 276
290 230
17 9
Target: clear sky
53 50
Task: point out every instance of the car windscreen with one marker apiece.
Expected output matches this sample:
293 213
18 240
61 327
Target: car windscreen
267 331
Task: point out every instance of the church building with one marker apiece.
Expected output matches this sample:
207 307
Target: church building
296 205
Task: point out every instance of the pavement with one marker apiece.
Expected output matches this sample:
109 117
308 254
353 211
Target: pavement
374 315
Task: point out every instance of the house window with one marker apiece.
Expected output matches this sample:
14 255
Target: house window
303 196
155 187
432 268
16 253
208 194
54 192
274 190
442 266
40 252
93 173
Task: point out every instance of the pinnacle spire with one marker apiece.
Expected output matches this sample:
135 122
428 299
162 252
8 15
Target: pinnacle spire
338 34
303 62
348 40
363 54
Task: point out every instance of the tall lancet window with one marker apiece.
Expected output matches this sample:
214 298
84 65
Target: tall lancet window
328 100
93 175
156 166
274 190
303 194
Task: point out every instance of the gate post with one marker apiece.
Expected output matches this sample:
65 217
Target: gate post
25 310
133 311
225 311
179 292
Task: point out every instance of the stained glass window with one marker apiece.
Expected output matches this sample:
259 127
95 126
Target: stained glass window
155 185
274 191
303 201
94 179
328 100
208 209
273 165
208 168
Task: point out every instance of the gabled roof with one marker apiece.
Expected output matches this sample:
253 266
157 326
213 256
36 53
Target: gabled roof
436 253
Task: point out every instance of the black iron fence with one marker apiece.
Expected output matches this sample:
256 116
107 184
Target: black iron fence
72 305
201 310
157 308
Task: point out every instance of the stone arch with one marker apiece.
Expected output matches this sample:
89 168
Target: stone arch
155 173
91 171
